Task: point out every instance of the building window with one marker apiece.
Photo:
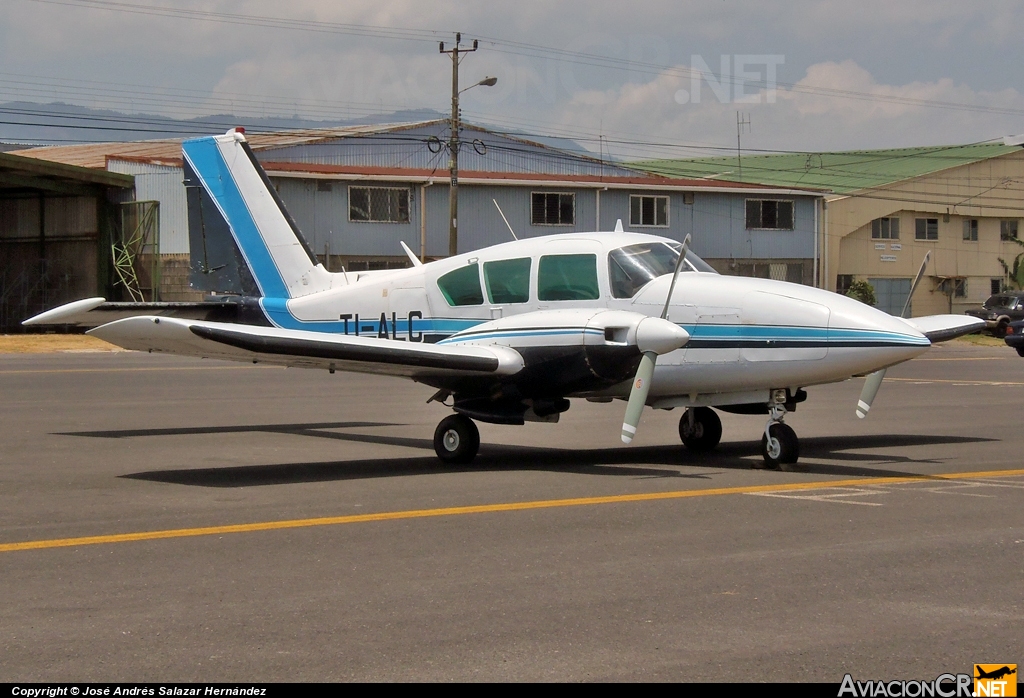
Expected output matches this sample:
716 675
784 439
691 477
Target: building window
885 229
971 230
378 205
995 286
648 211
926 228
769 214
553 208
843 283
1008 230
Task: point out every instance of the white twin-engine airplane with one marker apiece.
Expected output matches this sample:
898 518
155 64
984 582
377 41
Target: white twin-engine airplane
510 332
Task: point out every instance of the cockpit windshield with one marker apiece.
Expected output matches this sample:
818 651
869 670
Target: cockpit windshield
633 267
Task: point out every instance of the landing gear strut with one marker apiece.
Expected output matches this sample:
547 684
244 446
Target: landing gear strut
780 447
700 429
456 440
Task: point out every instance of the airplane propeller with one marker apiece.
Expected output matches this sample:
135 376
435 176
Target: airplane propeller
654 337
874 380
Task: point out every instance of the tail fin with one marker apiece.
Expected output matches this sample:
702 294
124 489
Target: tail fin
226 171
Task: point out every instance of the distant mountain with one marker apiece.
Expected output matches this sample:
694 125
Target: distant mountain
24 124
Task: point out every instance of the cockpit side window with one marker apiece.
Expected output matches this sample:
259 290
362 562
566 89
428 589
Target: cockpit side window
462 286
633 267
508 280
567 277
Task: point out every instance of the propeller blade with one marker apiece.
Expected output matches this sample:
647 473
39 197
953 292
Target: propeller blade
867 394
638 395
874 380
675 275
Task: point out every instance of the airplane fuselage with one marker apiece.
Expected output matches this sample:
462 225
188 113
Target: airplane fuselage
747 335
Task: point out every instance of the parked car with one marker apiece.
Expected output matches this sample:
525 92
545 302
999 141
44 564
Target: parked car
1015 336
1000 310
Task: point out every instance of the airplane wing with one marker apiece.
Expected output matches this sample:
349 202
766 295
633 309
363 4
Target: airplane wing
93 312
940 328
217 340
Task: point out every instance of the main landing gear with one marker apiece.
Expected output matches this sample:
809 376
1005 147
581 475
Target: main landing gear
456 440
780 447
700 429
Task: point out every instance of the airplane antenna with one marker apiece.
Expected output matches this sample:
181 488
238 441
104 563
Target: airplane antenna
675 275
415 261
505 219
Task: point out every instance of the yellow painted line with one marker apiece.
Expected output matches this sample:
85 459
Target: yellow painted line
958 381
484 509
149 368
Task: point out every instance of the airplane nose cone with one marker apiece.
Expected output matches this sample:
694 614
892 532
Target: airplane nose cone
660 336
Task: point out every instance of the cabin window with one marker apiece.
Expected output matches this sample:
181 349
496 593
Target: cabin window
648 211
885 229
769 214
567 277
553 208
462 286
926 228
378 204
508 280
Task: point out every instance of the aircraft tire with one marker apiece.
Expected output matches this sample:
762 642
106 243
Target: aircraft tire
456 440
784 452
706 431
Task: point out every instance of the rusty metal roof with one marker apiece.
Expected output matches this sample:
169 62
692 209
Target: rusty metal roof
167 151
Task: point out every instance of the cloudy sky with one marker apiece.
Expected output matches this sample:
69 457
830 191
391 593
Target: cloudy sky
659 78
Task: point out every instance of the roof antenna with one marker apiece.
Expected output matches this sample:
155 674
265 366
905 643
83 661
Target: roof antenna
505 219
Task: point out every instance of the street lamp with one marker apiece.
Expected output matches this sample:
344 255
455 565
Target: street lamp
453 141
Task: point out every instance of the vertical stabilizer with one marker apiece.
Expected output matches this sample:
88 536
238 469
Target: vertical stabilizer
281 263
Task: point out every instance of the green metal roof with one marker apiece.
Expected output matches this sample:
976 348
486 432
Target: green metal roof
842 172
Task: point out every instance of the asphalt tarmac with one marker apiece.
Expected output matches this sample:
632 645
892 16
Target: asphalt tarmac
166 519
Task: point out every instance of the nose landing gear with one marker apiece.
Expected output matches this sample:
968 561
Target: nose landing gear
780 447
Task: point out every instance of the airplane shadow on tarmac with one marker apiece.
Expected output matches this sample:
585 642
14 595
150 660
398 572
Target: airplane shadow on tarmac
635 462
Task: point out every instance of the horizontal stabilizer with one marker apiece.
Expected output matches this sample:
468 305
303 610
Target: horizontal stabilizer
93 312
940 328
306 349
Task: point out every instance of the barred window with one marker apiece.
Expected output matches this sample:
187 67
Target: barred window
649 211
769 214
553 208
378 204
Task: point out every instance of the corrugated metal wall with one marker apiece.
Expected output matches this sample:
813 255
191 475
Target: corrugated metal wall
161 183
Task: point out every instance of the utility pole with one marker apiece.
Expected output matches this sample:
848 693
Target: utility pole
454 143
741 121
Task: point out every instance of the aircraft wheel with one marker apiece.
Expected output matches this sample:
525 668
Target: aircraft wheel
706 431
784 448
456 440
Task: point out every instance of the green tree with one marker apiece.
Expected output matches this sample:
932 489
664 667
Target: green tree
862 291
1015 272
